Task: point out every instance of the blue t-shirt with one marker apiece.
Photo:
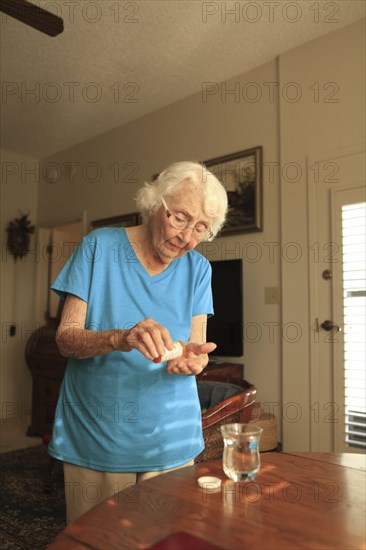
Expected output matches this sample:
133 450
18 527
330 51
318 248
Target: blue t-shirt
120 412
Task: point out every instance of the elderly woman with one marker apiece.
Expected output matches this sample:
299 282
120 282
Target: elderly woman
129 293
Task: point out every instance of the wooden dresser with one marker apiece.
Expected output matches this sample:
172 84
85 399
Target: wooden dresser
47 367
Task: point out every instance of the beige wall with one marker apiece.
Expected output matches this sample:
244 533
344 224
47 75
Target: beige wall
318 123
19 193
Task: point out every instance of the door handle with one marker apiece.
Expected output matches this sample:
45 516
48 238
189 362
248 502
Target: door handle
329 325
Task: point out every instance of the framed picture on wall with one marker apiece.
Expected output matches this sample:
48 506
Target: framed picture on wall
241 175
127 220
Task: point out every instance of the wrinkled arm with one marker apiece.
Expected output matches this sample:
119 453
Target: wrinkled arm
74 340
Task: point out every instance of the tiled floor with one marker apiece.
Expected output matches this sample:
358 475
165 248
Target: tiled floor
13 435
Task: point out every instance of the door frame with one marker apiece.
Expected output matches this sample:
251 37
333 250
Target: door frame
315 428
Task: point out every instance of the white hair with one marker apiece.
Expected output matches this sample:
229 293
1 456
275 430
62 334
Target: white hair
148 198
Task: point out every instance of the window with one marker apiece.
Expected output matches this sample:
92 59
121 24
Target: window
354 322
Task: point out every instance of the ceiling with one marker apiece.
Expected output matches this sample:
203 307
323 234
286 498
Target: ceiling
119 60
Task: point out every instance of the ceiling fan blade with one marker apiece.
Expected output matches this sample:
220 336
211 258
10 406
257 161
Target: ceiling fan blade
33 15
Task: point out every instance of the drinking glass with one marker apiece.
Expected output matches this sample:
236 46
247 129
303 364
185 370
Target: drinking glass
241 460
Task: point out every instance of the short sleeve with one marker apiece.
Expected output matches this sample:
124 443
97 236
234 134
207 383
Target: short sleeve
203 303
75 277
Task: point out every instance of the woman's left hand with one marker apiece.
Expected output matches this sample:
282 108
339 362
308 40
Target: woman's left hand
194 360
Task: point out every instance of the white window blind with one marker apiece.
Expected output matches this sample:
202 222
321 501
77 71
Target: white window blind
354 322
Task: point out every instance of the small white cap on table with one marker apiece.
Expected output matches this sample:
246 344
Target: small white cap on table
209 482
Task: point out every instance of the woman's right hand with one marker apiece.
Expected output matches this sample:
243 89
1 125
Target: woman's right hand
73 340
149 338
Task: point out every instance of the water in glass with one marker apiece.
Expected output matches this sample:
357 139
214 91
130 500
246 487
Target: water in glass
241 459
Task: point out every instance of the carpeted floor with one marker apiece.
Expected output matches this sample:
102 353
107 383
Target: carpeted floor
32 504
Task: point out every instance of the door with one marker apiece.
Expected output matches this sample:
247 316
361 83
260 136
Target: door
64 240
55 246
335 182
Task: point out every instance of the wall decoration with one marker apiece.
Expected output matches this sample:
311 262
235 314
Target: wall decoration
241 175
19 232
127 220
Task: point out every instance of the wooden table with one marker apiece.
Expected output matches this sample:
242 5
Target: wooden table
298 500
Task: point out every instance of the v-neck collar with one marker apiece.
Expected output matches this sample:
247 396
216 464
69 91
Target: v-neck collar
136 260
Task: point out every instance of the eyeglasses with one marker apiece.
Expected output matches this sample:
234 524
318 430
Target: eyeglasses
201 231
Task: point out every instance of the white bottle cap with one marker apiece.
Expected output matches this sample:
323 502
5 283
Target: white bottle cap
209 482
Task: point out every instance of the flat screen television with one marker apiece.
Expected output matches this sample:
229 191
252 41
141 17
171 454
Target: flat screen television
225 327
